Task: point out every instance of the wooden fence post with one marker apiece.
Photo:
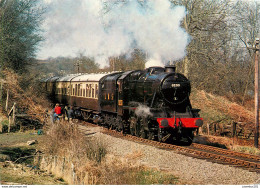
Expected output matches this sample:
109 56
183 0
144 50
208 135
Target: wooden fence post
7 99
11 121
234 129
1 91
14 109
9 124
73 174
215 128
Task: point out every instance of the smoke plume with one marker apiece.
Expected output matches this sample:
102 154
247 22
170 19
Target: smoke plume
107 28
143 111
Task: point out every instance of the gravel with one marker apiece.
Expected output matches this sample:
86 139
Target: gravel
189 170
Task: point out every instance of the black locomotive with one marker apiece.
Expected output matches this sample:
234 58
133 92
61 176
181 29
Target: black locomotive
152 103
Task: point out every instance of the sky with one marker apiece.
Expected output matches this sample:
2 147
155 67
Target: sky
103 29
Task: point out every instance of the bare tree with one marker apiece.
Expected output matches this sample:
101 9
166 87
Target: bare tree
246 28
19 32
206 23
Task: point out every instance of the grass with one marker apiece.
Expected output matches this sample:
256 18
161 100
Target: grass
218 145
4 125
151 177
247 149
93 165
14 145
124 171
14 148
210 109
14 138
17 154
27 176
215 108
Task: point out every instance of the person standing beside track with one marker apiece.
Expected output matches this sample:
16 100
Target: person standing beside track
57 112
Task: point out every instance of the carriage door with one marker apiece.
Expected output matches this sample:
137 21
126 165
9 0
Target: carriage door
120 96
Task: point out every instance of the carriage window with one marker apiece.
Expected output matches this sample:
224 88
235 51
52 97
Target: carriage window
78 90
89 91
112 96
93 92
86 90
96 93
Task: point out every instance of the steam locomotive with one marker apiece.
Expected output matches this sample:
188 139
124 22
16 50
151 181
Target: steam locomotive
152 103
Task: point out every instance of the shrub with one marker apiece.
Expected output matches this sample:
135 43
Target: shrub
4 126
247 149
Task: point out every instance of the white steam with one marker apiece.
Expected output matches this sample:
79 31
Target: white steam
103 29
143 111
155 60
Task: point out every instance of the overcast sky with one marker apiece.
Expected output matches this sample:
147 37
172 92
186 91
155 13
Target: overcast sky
81 26
74 26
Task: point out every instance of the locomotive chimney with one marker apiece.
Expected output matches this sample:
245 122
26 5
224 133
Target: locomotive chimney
170 68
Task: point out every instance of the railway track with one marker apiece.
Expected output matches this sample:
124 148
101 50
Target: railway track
210 153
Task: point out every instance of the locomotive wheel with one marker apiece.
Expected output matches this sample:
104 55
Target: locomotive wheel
132 131
150 135
160 135
189 142
108 121
143 133
189 137
113 123
119 124
133 126
142 123
137 131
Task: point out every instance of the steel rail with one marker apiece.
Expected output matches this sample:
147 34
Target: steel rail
213 154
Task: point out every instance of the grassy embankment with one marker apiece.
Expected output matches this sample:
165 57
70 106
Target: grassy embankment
221 109
16 165
94 165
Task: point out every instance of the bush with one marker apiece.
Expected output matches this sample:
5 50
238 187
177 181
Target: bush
4 126
66 140
93 165
247 149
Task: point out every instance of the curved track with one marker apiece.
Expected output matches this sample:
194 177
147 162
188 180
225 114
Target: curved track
213 154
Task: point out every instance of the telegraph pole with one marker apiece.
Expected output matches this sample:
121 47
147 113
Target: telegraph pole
77 63
256 93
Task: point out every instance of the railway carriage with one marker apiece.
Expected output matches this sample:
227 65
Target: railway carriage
152 103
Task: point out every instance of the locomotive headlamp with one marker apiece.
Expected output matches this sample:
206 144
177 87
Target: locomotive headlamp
199 122
164 123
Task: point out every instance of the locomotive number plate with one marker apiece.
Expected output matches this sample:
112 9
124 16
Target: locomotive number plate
176 85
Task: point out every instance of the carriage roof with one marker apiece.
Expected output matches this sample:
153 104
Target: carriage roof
89 77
